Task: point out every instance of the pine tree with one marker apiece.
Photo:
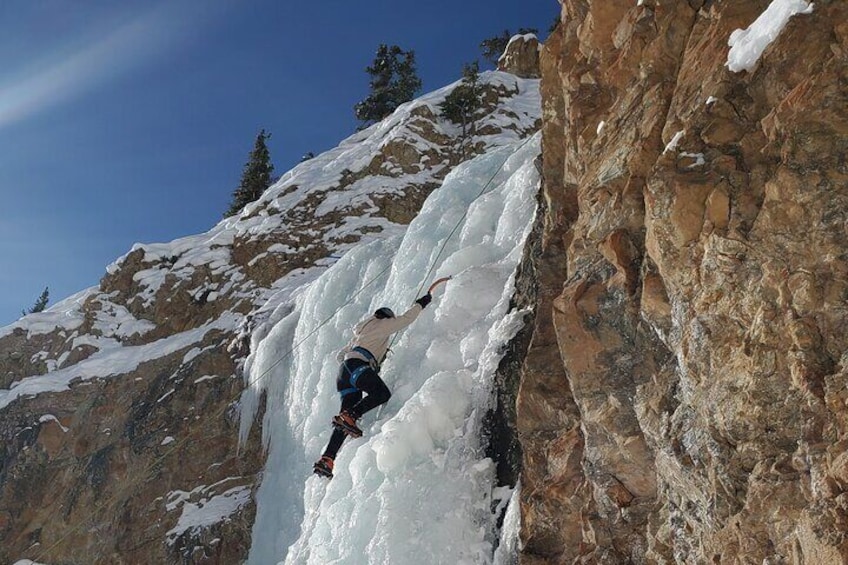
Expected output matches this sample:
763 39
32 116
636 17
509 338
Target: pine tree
40 303
256 177
393 81
407 84
494 47
463 102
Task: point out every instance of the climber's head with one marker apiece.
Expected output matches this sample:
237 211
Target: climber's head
383 313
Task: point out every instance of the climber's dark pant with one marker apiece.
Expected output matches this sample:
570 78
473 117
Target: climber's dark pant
368 382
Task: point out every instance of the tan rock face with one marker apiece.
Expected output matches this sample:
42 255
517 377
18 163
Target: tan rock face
521 57
684 396
86 473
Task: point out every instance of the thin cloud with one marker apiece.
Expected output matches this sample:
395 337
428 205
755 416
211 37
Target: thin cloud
42 86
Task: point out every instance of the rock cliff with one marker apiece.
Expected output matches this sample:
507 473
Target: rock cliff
684 394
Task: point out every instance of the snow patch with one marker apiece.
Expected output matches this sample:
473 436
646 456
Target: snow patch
112 361
698 157
520 37
194 353
52 418
205 378
200 509
672 145
66 314
747 45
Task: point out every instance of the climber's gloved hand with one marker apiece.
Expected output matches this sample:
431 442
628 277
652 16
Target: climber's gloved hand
425 300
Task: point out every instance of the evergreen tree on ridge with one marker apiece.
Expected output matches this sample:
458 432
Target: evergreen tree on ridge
256 177
394 80
40 303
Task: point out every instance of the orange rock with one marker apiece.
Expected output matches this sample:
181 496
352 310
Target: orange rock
731 352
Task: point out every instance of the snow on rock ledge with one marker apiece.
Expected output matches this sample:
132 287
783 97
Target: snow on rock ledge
521 56
747 45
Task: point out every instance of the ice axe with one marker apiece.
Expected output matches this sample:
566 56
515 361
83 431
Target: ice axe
437 283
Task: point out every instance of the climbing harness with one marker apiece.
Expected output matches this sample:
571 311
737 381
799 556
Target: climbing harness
354 376
356 373
372 361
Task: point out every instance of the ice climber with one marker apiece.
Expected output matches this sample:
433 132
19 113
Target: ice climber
359 382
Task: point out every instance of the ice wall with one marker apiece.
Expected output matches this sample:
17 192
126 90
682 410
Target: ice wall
416 488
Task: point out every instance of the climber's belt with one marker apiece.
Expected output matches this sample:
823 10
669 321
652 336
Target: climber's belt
356 373
372 361
353 378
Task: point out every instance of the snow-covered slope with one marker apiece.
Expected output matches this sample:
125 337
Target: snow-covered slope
417 488
310 217
161 338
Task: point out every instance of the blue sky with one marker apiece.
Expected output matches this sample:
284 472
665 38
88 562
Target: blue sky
125 122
